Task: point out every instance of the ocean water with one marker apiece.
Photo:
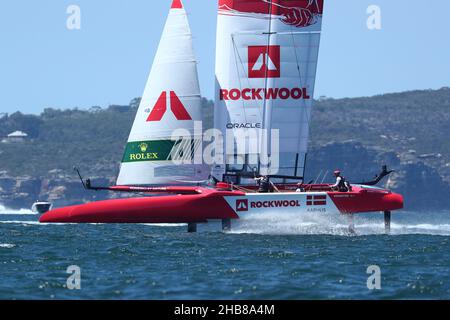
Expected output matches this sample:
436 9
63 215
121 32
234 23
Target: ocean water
264 258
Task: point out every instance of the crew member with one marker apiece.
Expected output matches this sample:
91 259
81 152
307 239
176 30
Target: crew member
300 187
264 184
341 184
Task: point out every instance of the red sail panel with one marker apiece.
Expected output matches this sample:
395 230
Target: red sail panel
178 108
299 13
159 109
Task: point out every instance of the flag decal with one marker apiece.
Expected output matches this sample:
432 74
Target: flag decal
316 201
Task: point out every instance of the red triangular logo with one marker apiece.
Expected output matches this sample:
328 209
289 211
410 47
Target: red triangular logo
264 61
159 109
176 106
241 205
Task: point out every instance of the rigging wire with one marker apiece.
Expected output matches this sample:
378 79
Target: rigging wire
265 132
307 110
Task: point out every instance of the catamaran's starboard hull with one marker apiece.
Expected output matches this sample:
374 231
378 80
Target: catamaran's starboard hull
212 204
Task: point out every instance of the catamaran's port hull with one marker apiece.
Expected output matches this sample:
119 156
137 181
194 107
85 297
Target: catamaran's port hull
203 204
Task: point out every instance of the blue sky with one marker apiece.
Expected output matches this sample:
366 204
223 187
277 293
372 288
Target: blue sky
43 64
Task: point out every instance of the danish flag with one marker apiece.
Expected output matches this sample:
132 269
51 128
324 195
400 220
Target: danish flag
316 201
264 62
176 106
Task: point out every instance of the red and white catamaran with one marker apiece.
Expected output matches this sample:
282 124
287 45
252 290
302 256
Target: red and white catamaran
266 59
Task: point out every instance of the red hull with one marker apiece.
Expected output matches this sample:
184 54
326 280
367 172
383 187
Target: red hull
196 204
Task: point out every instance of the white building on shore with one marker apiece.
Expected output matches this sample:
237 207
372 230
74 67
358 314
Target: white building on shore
16 136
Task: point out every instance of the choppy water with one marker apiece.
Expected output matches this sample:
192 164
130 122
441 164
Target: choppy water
266 258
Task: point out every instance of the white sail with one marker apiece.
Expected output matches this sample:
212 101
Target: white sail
171 101
266 61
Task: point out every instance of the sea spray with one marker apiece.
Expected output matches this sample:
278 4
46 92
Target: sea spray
272 222
7 211
404 223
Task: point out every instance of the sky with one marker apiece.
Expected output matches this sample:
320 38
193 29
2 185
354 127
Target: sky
107 61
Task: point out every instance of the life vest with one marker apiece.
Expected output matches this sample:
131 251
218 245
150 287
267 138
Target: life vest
342 186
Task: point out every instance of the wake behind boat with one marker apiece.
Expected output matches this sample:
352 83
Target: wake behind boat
266 60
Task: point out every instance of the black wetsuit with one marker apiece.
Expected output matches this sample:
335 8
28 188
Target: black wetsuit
264 186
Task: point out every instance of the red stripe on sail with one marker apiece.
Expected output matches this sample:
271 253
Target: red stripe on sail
159 109
298 13
279 7
177 4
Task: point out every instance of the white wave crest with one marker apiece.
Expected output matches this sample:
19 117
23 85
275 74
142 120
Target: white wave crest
165 225
22 222
6 211
7 245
